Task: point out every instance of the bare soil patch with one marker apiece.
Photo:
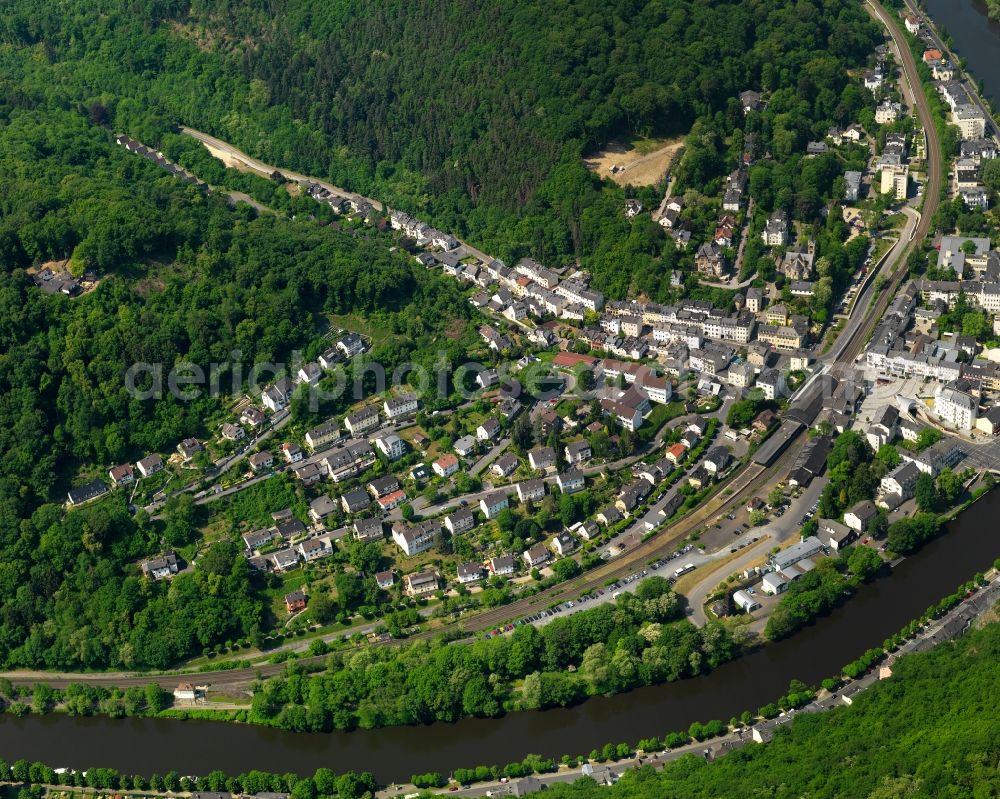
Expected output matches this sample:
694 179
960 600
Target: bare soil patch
640 162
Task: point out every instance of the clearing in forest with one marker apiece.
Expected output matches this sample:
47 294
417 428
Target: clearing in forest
639 162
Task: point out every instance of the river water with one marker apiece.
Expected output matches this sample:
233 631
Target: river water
145 746
976 38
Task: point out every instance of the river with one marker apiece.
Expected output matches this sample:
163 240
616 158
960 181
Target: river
145 746
976 38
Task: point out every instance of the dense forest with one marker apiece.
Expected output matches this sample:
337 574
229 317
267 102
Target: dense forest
183 277
484 133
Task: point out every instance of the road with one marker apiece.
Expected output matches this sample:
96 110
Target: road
777 532
494 453
225 151
970 85
952 625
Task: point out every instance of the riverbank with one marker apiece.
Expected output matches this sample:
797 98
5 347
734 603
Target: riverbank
975 38
877 612
945 621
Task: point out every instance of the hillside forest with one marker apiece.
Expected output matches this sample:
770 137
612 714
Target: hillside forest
484 139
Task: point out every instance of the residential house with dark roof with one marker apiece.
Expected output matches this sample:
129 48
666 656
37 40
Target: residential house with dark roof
321 508
150 465
421 583
460 521
505 465
190 447
87 492
355 500
470 573
368 530
260 461
160 568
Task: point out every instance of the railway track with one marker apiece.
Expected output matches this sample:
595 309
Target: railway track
734 492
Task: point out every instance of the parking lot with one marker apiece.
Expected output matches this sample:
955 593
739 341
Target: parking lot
663 568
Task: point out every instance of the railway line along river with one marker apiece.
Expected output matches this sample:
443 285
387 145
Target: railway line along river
146 746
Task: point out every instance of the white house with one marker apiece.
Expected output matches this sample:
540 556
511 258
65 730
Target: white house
421 583
860 516
492 504
403 405
275 397
536 556
887 112
150 465
773 583
578 452
460 521
488 430
309 373
446 465
417 538
530 490
571 481
470 573
122 475
542 457
391 445
502 565
563 543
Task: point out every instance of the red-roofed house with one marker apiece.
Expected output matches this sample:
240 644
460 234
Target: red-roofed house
393 500
446 465
676 453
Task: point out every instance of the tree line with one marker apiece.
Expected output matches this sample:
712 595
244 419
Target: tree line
639 639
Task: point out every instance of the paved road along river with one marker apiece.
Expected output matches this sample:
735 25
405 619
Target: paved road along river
976 37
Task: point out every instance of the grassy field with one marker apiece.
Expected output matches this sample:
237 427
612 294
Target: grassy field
377 335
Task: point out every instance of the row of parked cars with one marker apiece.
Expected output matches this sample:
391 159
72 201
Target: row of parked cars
615 588
810 513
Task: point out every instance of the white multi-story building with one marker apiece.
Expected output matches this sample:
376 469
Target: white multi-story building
970 121
417 538
403 405
955 407
493 504
888 112
895 180
391 445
